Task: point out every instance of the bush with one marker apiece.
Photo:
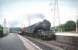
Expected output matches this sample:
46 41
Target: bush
1 31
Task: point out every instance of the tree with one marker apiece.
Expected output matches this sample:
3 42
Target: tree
77 23
1 29
69 26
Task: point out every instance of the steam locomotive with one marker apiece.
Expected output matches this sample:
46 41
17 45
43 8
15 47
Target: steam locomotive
39 30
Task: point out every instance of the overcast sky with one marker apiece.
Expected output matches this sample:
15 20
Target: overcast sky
18 12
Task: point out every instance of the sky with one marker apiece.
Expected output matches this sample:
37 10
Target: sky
20 13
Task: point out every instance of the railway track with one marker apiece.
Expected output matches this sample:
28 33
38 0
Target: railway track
66 42
43 44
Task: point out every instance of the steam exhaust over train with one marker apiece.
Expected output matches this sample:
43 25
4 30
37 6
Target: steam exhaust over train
39 30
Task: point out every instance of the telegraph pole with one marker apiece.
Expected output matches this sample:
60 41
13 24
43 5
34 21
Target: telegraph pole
58 15
4 26
29 20
53 9
76 24
76 19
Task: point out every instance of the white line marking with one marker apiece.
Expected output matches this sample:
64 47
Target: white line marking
67 34
28 44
